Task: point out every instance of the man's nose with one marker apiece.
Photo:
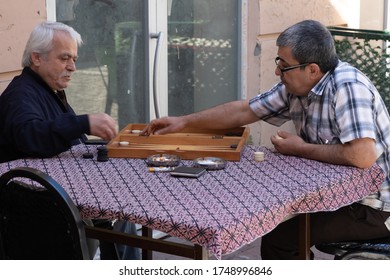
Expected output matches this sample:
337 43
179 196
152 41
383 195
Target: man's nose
71 65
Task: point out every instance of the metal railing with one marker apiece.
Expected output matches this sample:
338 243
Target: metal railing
369 51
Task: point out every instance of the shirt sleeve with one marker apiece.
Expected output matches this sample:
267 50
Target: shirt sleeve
272 106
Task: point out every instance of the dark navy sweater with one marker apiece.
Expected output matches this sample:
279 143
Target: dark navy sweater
34 122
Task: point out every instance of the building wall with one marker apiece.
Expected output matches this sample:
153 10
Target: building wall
371 15
16 24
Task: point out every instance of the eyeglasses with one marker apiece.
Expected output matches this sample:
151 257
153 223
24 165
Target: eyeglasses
285 69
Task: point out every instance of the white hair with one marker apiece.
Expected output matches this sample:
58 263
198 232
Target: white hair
41 39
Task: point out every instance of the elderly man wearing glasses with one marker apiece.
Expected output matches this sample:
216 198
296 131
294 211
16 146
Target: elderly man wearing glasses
340 118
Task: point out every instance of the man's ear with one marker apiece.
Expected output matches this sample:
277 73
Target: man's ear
315 70
36 58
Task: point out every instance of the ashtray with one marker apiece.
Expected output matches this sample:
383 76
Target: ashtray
163 160
210 163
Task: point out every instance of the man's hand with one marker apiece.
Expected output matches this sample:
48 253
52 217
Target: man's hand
287 143
102 125
163 126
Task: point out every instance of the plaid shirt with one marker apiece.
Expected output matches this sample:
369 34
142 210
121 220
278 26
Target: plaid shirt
343 106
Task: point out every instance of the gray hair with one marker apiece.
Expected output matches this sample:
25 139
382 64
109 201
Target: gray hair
41 39
310 41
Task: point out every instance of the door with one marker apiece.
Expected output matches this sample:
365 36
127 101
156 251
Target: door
146 59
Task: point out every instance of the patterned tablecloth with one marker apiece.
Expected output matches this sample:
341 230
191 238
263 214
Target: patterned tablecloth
222 210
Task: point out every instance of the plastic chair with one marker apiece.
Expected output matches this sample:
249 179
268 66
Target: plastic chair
38 220
375 249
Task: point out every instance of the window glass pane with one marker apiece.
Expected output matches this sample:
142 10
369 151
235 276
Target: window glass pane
202 54
110 70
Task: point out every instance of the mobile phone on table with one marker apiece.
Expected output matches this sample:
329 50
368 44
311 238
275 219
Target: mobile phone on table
90 140
188 171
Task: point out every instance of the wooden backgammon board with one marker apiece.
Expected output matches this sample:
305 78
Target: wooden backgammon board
190 143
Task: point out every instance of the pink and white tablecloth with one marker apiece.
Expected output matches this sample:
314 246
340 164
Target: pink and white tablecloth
222 210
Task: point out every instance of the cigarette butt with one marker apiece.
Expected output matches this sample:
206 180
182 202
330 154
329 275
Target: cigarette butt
161 169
